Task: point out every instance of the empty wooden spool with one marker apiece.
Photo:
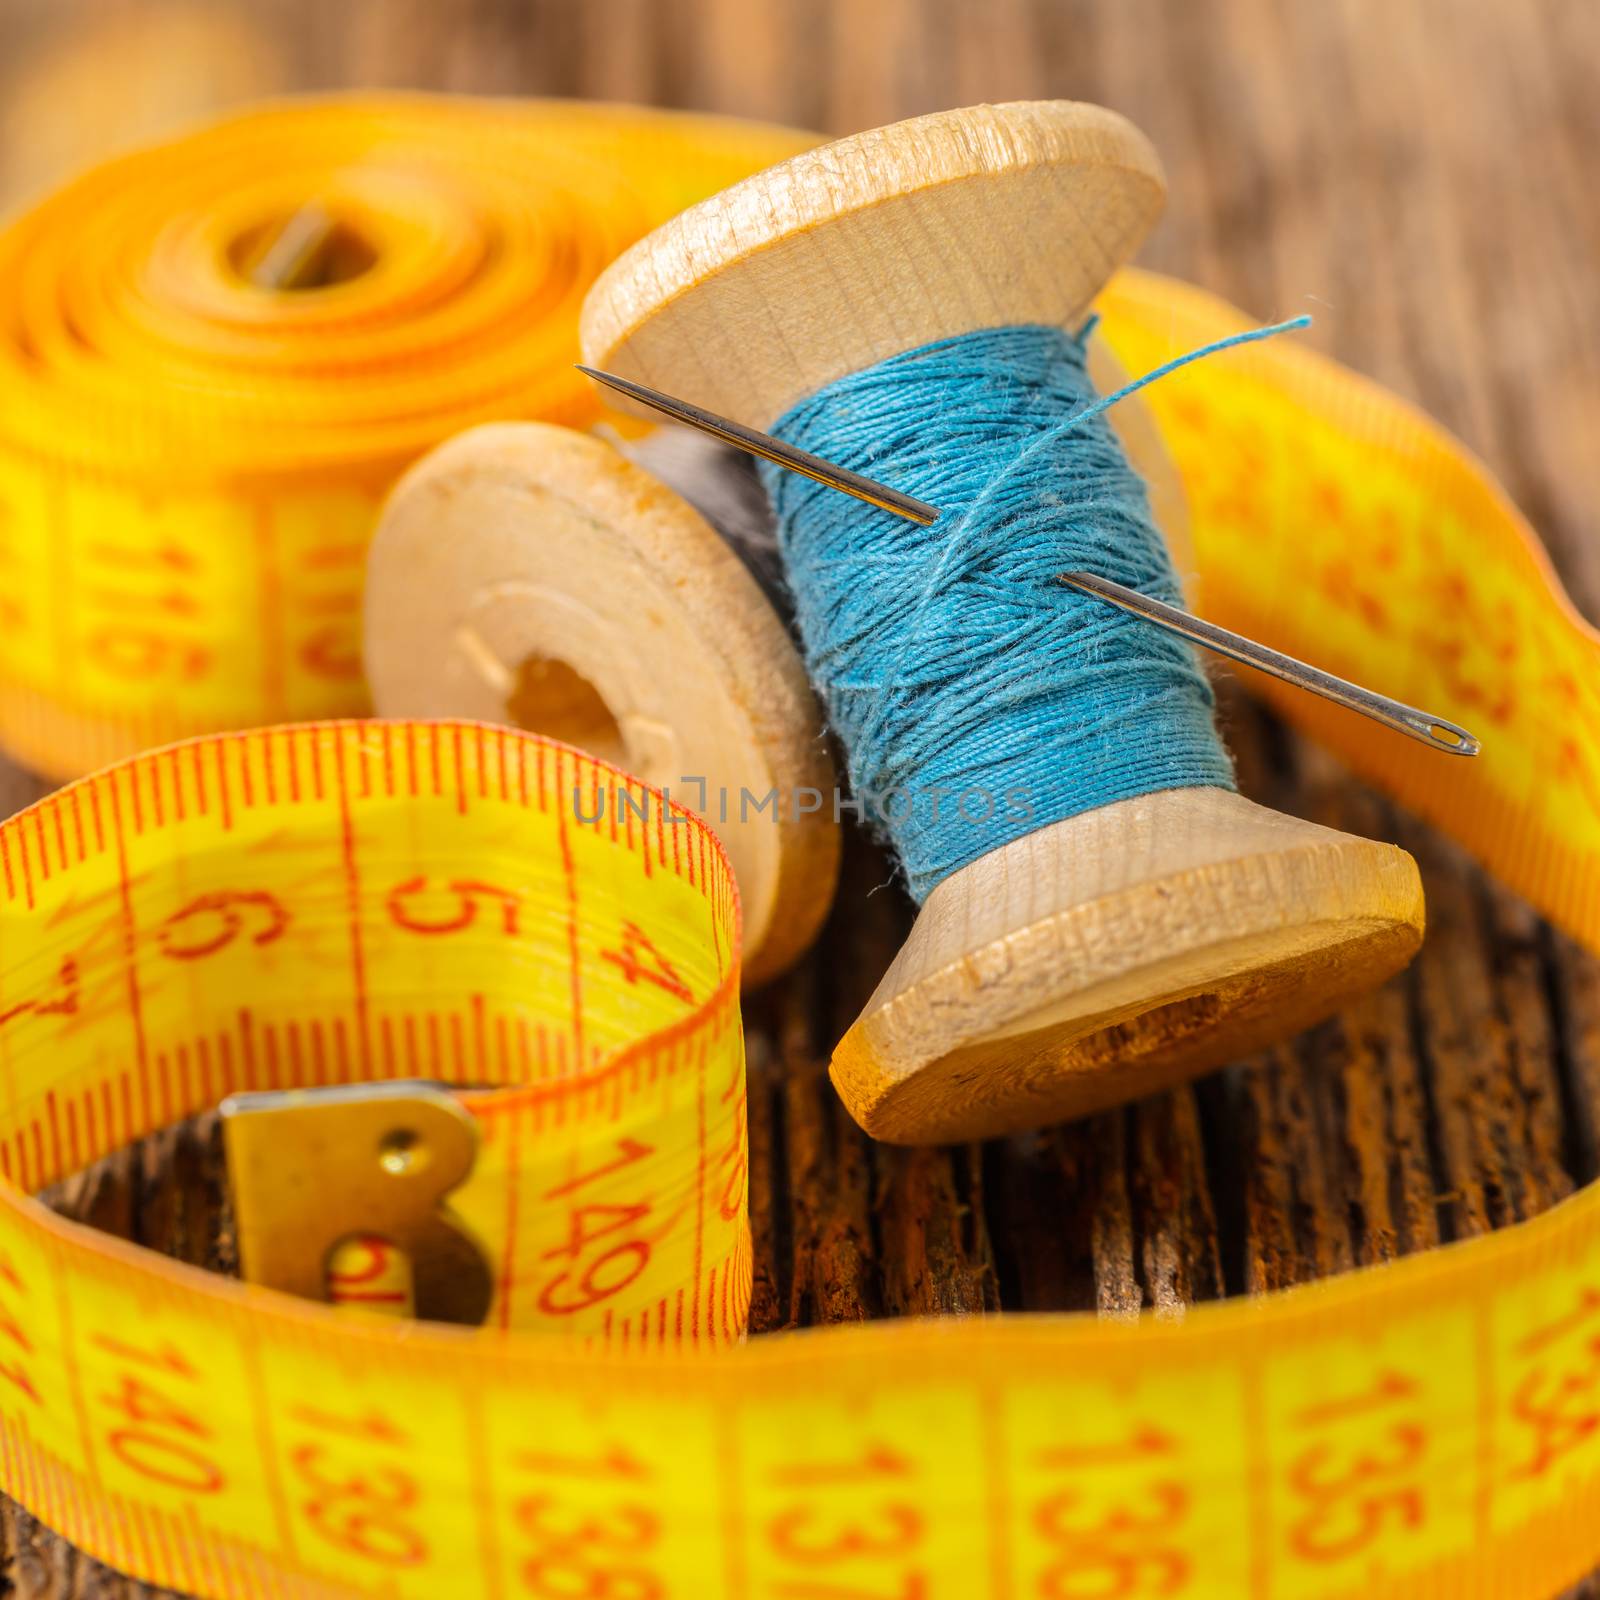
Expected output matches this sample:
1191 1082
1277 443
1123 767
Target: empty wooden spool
1113 952
529 574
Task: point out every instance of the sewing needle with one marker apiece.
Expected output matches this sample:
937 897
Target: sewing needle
1435 732
770 449
1448 737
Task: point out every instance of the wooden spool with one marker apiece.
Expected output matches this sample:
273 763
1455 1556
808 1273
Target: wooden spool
1112 953
528 574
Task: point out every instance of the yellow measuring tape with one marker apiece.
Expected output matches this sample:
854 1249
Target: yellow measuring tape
1339 524
344 903
191 464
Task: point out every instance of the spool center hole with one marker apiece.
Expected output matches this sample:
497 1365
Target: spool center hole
553 698
307 249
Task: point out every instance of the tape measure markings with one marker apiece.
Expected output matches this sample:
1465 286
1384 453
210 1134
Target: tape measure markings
134 631
274 789
178 1078
738 1476
1428 1426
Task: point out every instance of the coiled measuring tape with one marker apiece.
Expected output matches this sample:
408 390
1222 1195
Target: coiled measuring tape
350 903
191 462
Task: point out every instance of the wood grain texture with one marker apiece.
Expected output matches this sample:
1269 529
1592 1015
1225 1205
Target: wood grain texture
1420 177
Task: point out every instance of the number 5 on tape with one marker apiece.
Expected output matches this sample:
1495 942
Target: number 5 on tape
311 1169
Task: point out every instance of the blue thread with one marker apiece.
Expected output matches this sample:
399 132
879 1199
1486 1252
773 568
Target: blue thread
951 661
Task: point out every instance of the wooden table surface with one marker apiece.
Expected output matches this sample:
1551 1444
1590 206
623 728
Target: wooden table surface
1417 173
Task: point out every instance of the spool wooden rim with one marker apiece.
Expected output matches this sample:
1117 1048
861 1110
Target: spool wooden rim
758 296
529 574
1112 952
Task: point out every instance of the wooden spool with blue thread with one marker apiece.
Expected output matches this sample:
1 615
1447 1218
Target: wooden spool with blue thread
530 574
1113 952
